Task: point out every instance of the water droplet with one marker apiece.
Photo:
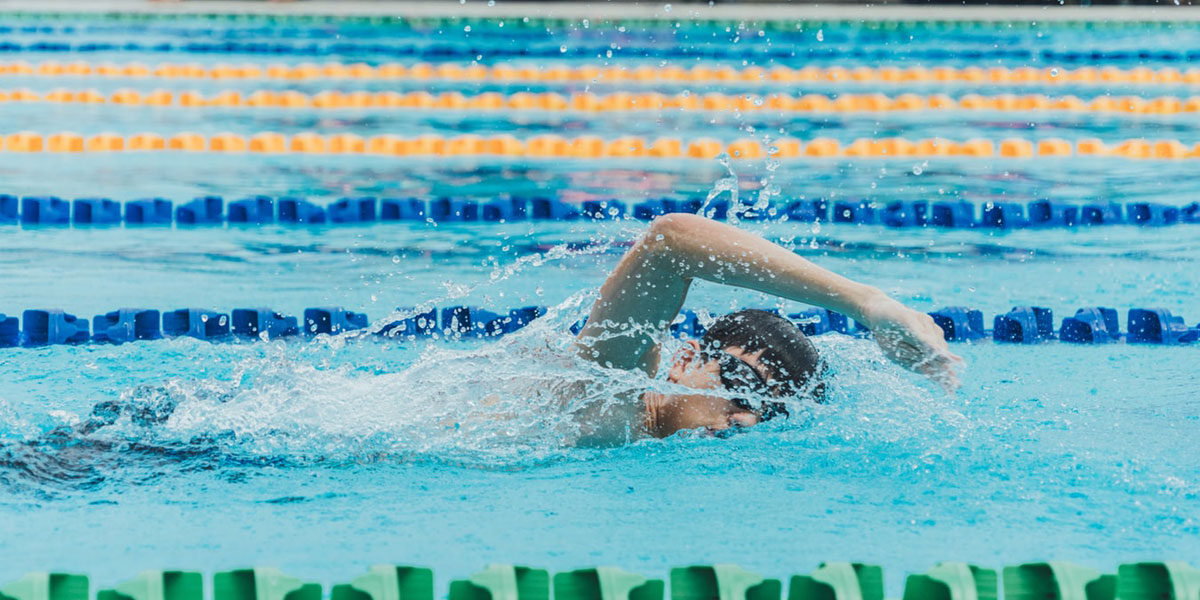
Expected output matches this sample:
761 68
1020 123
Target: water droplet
667 7
395 260
820 35
491 2
467 29
562 49
1054 72
917 169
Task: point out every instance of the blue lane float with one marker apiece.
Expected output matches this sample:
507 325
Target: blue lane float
1159 326
551 209
818 321
473 321
126 325
952 215
906 214
96 211
687 325
199 323
402 209
1004 215
149 211
861 212
45 210
960 324
10 208
45 327
10 331
206 210
352 210
1024 325
332 320
1093 325
597 210
1044 213
1109 213
262 322
453 210
257 210
1153 214
299 211
288 210
422 324
808 210
1020 325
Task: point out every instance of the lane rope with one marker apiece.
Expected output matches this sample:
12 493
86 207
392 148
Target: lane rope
291 210
617 101
1023 324
1053 75
591 147
830 580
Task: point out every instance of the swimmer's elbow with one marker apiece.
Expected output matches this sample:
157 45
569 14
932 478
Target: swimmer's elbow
668 231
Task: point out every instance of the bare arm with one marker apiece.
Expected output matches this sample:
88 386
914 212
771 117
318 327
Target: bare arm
646 290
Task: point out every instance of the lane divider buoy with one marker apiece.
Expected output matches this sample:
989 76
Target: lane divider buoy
610 74
832 579
591 147
36 211
614 102
1022 324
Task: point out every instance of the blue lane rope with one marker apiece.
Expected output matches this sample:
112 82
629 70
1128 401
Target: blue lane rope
1021 325
444 50
265 210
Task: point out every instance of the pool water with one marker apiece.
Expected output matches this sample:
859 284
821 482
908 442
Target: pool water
324 455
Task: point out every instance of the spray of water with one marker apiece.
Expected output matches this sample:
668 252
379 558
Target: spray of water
518 402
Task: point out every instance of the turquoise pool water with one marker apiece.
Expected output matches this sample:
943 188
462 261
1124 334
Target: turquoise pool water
322 455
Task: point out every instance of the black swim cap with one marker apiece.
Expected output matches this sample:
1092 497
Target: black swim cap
789 357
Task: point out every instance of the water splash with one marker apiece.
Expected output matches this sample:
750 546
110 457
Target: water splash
725 184
520 402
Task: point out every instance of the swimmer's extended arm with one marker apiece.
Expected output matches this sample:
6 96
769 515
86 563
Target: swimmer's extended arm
646 290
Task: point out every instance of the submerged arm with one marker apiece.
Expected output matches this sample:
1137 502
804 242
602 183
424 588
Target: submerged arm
646 290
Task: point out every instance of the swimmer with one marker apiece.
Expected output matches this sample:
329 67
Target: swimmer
753 353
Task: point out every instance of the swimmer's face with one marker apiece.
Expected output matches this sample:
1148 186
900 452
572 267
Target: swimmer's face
670 413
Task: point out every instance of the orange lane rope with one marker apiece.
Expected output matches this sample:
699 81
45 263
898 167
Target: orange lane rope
618 101
617 74
587 147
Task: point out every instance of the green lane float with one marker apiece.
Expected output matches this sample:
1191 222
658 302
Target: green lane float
158 585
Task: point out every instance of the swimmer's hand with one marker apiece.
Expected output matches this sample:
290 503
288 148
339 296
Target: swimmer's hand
912 340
